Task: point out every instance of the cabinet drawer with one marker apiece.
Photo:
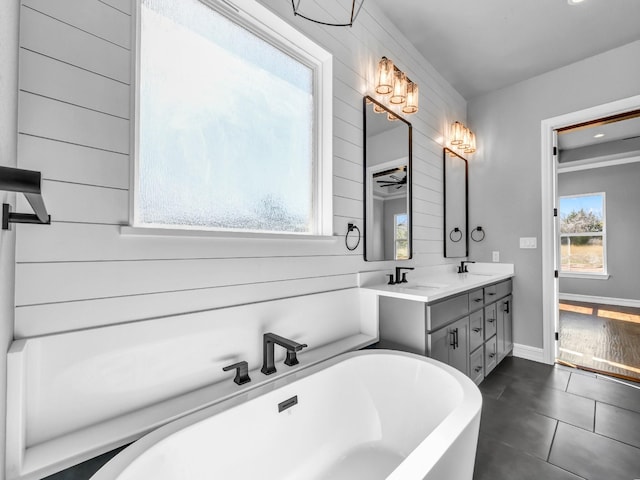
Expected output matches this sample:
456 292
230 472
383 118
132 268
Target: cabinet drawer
476 366
441 313
490 355
490 321
476 299
490 293
476 330
503 288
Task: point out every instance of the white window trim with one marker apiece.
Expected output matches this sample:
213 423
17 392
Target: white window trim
604 275
250 13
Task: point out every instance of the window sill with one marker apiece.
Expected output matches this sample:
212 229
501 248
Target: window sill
586 276
188 232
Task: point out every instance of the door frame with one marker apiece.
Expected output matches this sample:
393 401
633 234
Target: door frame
549 202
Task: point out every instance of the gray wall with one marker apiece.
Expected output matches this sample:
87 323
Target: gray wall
8 127
505 172
621 184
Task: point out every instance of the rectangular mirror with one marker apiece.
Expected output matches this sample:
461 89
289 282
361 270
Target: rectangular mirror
387 183
456 222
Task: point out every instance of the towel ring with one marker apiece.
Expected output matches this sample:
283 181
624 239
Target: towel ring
350 228
452 234
477 238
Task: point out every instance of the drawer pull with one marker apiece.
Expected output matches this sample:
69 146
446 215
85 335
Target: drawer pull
491 293
506 306
491 355
477 330
477 300
477 369
491 320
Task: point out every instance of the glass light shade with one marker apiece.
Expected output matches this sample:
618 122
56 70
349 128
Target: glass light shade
456 133
465 139
384 76
378 109
399 94
412 98
391 117
472 143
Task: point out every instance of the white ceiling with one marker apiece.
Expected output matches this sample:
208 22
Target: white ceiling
483 45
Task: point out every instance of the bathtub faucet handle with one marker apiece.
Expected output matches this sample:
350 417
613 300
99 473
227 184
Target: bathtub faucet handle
292 358
242 372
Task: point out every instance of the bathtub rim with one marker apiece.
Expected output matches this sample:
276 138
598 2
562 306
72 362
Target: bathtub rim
438 441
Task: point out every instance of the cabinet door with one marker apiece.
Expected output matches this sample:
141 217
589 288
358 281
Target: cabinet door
507 307
459 351
490 321
476 330
439 343
490 355
476 366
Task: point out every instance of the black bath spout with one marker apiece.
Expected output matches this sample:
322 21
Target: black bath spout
268 342
463 266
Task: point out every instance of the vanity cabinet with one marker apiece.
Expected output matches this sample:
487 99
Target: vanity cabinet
471 331
450 345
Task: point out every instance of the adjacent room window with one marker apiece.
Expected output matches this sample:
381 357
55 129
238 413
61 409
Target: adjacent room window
230 122
583 234
400 236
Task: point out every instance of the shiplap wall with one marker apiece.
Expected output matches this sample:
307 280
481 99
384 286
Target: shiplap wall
75 126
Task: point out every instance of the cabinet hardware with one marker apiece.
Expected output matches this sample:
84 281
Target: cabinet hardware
477 369
477 330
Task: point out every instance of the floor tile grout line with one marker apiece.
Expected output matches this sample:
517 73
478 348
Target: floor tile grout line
553 439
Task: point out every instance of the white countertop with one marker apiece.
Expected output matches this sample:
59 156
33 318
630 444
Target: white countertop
429 286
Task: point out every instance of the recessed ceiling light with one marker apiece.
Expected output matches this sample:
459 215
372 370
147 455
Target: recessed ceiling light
598 135
574 2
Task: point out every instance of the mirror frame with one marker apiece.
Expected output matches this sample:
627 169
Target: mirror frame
447 151
365 101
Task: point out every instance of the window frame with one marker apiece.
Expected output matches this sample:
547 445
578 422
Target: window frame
573 274
271 28
395 234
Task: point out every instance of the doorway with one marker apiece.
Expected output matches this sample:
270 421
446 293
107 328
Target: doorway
553 255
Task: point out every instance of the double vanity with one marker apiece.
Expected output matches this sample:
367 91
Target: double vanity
461 319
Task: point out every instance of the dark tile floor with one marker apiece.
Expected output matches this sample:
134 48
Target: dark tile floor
557 423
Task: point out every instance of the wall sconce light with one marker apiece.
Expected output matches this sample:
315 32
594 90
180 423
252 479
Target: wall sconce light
462 138
354 7
398 89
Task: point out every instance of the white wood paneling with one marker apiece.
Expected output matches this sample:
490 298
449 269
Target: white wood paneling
44 117
48 36
72 202
60 242
35 320
90 16
125 6
74 106
59 160
70 281
54 79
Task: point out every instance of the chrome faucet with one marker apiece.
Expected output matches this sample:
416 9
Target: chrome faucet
463 266
398 279
268 341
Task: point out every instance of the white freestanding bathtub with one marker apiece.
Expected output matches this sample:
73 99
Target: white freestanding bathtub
372 414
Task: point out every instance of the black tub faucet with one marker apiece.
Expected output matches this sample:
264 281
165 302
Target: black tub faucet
268 341
463 266
398 278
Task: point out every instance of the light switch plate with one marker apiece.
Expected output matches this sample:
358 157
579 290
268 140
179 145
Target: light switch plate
528 242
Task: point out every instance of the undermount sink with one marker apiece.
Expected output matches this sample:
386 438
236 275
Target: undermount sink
427 286
477 274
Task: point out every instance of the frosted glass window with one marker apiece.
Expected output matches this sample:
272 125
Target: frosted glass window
226 125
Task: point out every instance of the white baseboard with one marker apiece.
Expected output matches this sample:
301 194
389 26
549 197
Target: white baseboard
623 302
528 353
